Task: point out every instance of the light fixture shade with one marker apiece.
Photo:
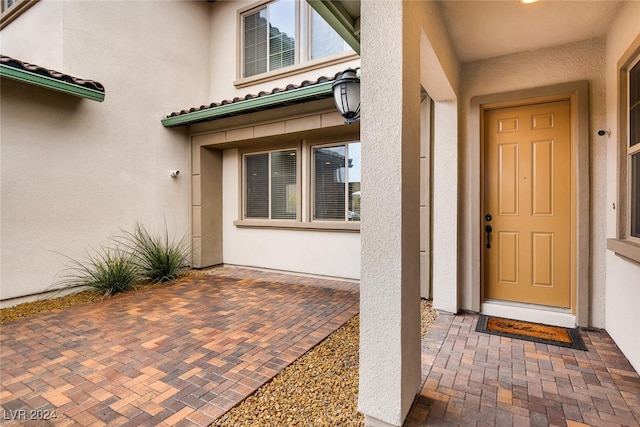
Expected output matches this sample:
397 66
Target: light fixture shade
346 94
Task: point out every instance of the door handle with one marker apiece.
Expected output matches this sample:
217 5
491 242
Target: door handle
488 229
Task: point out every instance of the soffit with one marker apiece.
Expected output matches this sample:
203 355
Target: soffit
485 29
482 29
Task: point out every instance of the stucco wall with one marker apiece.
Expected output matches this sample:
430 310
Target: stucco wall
36 36
74 171
623 276
315 252
569 63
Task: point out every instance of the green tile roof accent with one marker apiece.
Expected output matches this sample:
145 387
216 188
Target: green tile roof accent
308 91
35 75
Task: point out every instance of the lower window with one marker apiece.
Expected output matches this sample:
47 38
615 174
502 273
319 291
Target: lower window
336 182
271 185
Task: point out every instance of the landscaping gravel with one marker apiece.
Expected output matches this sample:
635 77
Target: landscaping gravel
318 389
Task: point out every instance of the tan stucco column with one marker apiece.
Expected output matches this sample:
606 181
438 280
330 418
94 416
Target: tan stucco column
390 273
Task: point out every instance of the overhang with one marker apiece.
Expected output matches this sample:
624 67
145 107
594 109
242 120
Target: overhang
293 94
39 76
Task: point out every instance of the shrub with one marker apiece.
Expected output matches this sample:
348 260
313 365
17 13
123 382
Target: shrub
158 258
108 271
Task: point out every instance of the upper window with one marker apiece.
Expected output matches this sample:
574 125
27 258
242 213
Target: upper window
6 4
283 33
633 150
336 182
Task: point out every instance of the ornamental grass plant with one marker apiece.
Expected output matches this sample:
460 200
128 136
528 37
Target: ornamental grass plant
108 271
137 255
157 257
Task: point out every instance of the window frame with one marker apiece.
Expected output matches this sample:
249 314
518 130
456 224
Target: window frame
624 244
312 174
243 185
304 189
302 61
631 151
9 13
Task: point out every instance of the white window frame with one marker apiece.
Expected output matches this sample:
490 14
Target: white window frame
312 174
244 184
302 37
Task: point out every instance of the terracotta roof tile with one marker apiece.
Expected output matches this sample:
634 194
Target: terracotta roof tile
21 65
289 87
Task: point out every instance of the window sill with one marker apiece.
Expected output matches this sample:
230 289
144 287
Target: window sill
349 227
296 69
14 11
625 248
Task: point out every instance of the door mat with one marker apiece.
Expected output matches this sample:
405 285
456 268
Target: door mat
536 332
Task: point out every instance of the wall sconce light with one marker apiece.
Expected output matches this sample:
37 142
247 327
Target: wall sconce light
346 94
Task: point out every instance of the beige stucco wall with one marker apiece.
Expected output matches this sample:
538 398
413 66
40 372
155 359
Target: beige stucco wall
37 35
528 70
623 276
75 171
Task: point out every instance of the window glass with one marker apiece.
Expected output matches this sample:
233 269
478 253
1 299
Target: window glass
354 182
255 43
324 39
336 180
269 38
282 45
284 185
271 185
257 186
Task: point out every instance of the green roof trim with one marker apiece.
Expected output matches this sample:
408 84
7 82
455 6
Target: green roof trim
280 99
340 20
32 78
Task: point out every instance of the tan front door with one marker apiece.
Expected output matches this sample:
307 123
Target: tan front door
527 192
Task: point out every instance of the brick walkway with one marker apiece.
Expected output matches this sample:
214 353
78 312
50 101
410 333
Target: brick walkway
475 379
172 355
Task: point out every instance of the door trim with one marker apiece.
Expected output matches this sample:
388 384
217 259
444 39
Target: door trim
578 95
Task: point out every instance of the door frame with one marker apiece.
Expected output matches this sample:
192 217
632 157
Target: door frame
577 94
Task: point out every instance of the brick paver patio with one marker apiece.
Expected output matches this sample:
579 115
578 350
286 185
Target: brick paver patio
475 379
172 355
185 354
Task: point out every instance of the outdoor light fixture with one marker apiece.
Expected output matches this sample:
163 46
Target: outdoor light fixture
346 94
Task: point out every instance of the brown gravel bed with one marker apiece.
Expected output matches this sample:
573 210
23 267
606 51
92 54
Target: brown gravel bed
319 389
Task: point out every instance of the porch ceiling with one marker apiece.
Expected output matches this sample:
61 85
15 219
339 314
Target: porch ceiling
486 29
482 29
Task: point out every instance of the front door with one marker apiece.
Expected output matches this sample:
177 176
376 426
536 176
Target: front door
527 190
